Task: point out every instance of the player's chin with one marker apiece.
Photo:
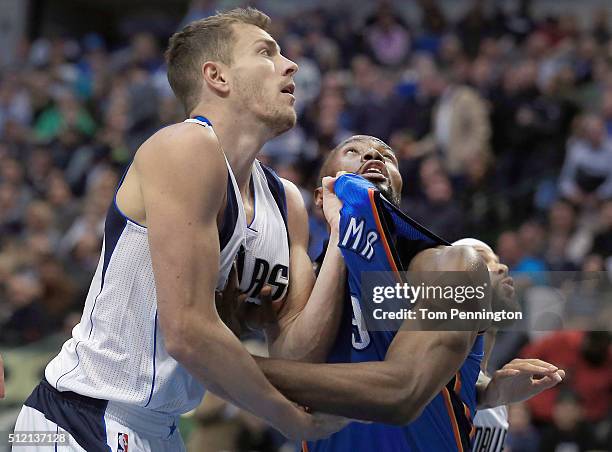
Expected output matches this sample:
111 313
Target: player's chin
285 120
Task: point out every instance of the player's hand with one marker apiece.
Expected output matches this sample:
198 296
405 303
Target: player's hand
520 380
315 426
1 378
331 203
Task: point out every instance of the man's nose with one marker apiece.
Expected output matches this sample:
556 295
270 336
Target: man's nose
372 154
290 68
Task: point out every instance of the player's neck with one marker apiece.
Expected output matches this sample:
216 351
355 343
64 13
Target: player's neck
241 140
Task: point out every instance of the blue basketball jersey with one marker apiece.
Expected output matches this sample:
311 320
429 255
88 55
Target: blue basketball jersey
376 236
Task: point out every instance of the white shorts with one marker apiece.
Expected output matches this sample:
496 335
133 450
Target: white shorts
92 425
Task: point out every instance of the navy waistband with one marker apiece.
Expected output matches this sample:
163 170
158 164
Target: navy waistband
74 397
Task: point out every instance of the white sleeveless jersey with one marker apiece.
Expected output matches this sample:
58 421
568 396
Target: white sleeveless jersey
266 258
117 350
491 429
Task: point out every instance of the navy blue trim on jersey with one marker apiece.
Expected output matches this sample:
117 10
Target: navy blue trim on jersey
278 193
76 351
230 216
252 188
81 416
463 422
203 119
154 355
115 197
113 228
410 237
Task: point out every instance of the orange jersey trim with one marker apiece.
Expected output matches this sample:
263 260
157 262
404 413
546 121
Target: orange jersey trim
453 419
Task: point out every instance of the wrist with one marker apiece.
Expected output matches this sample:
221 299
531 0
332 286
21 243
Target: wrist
334 235
289 419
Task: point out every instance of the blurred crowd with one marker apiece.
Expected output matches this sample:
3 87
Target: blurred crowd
502 124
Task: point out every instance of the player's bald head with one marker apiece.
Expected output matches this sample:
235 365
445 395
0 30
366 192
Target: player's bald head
331 166
370 158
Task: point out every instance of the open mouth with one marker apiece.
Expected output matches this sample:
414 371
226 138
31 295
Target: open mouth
374 171
289 89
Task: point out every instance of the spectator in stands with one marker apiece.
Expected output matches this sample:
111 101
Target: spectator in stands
587 359
438 209
28 321
522 435
569 428
587 171
460 126
602 243
567 243
387 38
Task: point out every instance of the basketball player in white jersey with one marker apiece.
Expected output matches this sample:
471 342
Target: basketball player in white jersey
150 339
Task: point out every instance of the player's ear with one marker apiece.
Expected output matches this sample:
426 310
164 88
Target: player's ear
318 197
214 76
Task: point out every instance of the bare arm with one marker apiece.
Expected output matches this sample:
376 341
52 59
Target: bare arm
417 365
183 178
309 318
392 391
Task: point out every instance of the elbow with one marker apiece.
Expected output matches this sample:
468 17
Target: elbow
179 341
404 411
177 346
402 407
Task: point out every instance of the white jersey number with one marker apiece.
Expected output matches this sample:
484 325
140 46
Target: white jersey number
361 337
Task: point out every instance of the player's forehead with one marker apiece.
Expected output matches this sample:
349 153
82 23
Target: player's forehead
246 36
364 141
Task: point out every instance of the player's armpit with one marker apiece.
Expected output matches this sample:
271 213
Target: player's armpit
309 317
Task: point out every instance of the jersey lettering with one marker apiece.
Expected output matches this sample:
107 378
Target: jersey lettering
277 278
353 232
361 337
354 239
489 439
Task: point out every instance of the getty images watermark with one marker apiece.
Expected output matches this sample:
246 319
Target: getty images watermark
452 301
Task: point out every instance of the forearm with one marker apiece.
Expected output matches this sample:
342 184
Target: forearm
310 334
238 379
364 391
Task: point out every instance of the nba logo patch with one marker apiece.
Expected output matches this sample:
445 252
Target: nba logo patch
122 439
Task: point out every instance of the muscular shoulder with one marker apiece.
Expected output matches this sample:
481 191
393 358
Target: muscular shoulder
183 163
181 144
295 202
297 217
